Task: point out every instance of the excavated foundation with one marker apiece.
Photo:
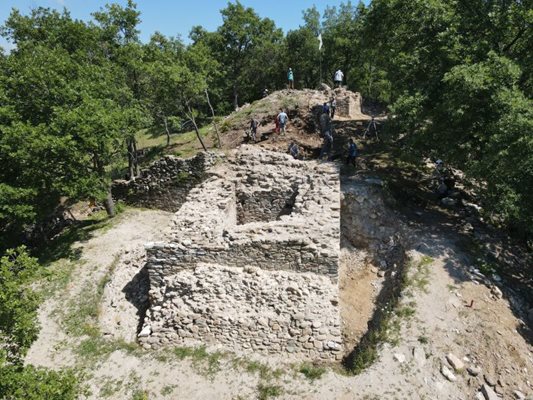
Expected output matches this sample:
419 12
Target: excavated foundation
252 262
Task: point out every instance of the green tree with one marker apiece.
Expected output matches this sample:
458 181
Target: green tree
235 45
460 88
61 86
303 56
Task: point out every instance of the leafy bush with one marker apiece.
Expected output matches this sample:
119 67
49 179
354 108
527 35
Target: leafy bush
18 329
18 304
30 383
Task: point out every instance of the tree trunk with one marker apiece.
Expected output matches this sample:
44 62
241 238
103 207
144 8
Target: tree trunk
190 115
166 130
219 143
131 159
135 158
109 204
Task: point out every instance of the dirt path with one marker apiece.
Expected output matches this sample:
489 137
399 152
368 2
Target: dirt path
131 230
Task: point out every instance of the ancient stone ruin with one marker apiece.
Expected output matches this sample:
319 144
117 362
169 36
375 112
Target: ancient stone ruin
166 183
251 264
349 104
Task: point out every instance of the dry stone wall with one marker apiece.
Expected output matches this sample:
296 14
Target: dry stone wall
349 104
248 309
252 261
166 183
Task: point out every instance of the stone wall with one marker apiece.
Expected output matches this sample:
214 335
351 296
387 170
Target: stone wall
248 309
258 228
166 183
265 206
349 104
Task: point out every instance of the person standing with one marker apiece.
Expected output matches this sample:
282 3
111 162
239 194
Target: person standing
290 78
294 151
283 118
325 108
326 146
339 76
333 107
352 153
253 129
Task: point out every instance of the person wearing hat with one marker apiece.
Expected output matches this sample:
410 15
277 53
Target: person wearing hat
290 77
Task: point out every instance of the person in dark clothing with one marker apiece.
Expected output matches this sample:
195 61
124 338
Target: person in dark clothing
326 146
352 153
333 107
294 151
325 108
253 129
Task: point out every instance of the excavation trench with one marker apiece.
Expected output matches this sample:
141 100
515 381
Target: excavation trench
373 236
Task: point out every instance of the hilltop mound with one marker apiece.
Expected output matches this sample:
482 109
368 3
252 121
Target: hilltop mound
303 108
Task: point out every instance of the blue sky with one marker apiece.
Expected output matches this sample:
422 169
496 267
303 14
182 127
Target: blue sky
173 17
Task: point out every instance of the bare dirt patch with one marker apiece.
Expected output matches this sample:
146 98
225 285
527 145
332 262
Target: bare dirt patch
359 287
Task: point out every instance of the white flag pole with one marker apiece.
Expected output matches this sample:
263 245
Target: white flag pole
320 51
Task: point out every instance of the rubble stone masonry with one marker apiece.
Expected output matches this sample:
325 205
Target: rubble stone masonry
252 261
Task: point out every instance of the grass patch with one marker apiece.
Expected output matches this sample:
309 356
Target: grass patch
168 390
140 395
182 177
266 391
312 371
109 388
154 142
418 274
55 278
204 362
81 318
265 372
405 312
423 339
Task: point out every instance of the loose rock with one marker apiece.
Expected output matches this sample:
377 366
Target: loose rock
489 393
447 373
491 381
496 292
519 395
419 355
455 362
399 358
474 370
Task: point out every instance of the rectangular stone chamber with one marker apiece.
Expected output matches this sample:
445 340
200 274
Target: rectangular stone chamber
252 261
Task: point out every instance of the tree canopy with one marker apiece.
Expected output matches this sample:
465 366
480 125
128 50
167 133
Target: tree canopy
456 75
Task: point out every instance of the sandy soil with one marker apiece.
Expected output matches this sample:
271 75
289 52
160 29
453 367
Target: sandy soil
359 286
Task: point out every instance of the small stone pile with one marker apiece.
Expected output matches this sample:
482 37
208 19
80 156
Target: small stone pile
263 212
